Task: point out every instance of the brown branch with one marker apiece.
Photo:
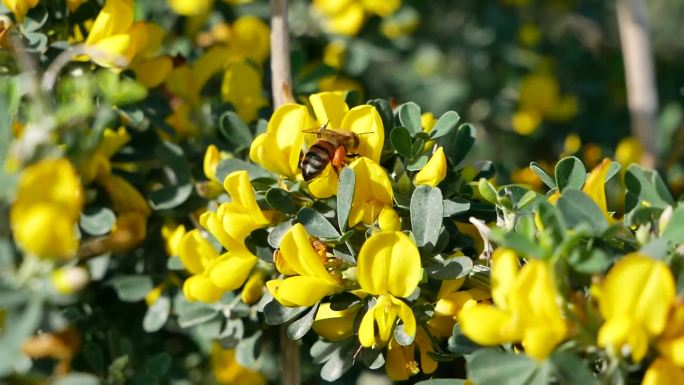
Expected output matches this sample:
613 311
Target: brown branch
639 75
282 93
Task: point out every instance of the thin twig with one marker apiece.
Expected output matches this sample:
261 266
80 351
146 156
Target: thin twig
54 69
639 75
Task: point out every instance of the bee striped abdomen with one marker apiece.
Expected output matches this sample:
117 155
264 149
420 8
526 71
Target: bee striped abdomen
317 158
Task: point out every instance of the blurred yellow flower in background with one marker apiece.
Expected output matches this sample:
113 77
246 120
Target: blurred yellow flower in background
628 151
540 98
49 197
346 17
20 7
228 371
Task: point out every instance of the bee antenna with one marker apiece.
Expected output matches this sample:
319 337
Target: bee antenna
365 133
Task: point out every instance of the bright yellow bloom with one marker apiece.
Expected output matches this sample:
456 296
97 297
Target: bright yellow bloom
595 187
49 196
334 53
671 342
173 236
251 38
153 295
197 255
191 7
242 88
372 192
401 363
450 301
388 220
254 288
628 151
20 7
334 325
346 17
112 39
310 281
634 300
228 371
663 372
536 321
389 268
278 149
434 170
99 165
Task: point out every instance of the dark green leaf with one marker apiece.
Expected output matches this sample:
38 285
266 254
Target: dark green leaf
234 130
551 219
590 262
570 173
656 249
277 233
418 164
195 313
94 356
401 141
546 178
280 200
454 206
385 112
277 314
157 314
345 195
458 143
518 242
450 268
572 370
645 185
97 220
35 18
132 288
441 381
458 343
158 365
343 301
426 215
316 224
409 116
577 208
297 329
227 166
445 125
493 367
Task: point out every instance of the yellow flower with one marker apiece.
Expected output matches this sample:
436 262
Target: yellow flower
525 122
279 148
99 165
571 144
197 254
254 288
540 98
228 371
434 170
20 7
634 300
536 321
671 342
242 88
173 236
449 303
388 220
346 17
628 151
372 192
595 187
251 38
49 197
153 72
335 325
401 363
389 268
663 372
112 39
191 7
124 196
310 281
334 53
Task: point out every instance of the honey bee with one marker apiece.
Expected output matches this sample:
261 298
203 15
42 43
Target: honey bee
331 147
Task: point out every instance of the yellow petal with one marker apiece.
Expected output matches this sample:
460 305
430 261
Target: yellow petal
347 22
196 252
504 271
153 72
302 290
45 231
200 288
367 329
253 289
405 315
372 191
389 262
124 196
20 7
449 286
243 89
251 37
242 196
620 333
663 372
155 36
279 148
382 7
389 220
212 157
434 170
595 187
173 235
365 121
324 185
296 249
641 288
115 18
329 107
487 325
334 325
191 7
210 63
230 271
400 363
452 303
111 51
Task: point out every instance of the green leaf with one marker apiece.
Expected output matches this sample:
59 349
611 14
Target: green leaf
571 370
409 116
551 219
518 242
94 356
195 313
157 314
426 215
445 125
339 362
277 233
418 164
487 190
401 141
590 261
450 268
174 263
158 365
546 178
75 378
674 232
276 314
577 208
132 288
343 301
570 173
459 344
613 169
454 206
385 111
345 196
300 327
458 143
173 160
246 351
35 18
645 186
228 166
234 130
280 200
316 224
493 367
97 220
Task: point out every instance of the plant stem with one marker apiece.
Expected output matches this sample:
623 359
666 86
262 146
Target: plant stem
639 75
282 93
